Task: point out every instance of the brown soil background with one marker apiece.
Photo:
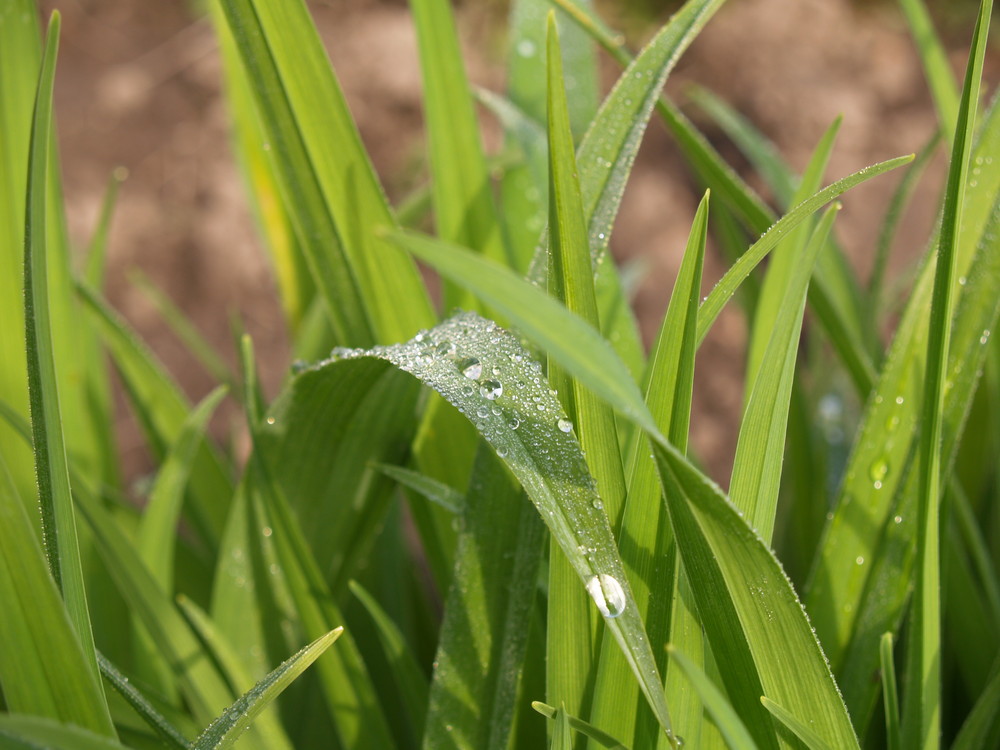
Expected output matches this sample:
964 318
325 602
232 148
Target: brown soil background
138 86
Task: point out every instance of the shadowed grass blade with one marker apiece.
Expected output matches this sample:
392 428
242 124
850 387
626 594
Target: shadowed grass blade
33 732
599 736
889 693
922 717
225 730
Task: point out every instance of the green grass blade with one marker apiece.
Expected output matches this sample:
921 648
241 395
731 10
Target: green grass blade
757 629
167 732
576 345
718 707
225 730
20 62
937 69
760 449
43 669
157 531
324 175
572 633
95 266
468 351
599 736
727 286
162 408
51 465
982 726
921 718
411 680
33 732
464 212
437 492
797 726
487 614
889 693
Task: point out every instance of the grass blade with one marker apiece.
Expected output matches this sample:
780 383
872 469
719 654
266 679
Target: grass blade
760 450
51 465
225 730
889 693
982 727
33 732
437 492
937 69
921 719
757 629
718 707
599 736
796 725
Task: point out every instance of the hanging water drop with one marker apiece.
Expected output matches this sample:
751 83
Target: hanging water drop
491 389
608 594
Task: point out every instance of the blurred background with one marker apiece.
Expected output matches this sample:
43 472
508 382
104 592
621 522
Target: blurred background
138 90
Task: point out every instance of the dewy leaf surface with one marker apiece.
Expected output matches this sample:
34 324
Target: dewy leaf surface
483 371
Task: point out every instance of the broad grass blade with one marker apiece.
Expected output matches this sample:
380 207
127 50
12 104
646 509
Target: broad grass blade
51 465
758 631
487 614
225 730
326 180
31 732
482 370
760 449
43 669
922 708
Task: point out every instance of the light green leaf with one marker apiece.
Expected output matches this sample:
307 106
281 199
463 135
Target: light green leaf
33 732
224 731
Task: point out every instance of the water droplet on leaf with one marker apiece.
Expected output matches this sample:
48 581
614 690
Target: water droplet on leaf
607 593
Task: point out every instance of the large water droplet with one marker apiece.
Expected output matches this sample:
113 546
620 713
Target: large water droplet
445 349
565 425
491 389
607 593
471 367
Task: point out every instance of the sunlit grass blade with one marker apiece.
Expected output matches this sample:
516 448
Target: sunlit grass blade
796 725
727 286
51 465
922 717
43 669
572 631
162 408
890 696
168 734
578 346
467 351
437 492
33 732
225 730
267 723
937 69
410 678
758 631
464 212
599 736
324 175
716 704
760 450
487 614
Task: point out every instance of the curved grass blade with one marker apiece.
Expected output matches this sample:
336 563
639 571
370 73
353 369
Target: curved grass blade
437 492
225 730
487 614
759 633
798 727
410 678
760 449
599 736
324 175
484 372
464 212
43 670
889 693
720 709
34 732
575 344
162 408
982 726
573 634
51 465
727 286
921 718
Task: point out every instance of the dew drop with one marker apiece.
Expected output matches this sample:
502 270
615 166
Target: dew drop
502 452
513 423
899 400
491 389
859 560
608 594
471 367
445 349
298 366
985 337
270 420
565 425
897 519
